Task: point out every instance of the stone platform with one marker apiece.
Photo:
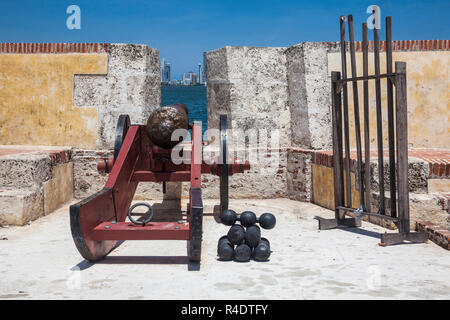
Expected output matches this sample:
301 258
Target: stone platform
40 261
34 181
429 184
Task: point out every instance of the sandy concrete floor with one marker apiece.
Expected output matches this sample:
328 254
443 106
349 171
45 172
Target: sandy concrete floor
40 261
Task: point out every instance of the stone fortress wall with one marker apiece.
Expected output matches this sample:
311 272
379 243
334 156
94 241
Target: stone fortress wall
69 96
289 89
59 104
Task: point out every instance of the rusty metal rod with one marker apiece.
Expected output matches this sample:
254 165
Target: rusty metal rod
337 144
379 120
359 174
345 103
391 124
365 45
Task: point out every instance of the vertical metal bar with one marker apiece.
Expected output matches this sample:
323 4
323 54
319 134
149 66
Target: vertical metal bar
365 45
356 111
402 146
346 124
391 125
379 120
340 145
337 143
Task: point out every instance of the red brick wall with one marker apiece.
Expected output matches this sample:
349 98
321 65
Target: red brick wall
402 45
54 47
437 159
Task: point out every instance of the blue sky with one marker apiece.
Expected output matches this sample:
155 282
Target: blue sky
182 30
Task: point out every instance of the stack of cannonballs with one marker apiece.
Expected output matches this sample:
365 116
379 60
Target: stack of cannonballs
243 240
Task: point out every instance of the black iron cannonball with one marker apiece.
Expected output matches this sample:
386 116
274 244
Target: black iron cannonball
242 253
223 239
267 221
247 218
265 241
236 234
252 236
228 217
261 252
225 251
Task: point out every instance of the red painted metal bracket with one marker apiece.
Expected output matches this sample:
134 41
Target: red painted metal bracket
151 231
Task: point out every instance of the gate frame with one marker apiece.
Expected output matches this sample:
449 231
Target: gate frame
400 215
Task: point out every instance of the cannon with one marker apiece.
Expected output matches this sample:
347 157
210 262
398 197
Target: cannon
143 153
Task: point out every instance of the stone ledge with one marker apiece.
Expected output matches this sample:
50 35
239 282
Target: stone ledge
437 234
27 166
20 206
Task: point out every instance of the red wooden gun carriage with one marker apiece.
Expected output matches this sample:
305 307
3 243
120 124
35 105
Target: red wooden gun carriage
99 221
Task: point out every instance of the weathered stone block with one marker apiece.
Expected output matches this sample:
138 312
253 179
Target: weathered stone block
418 172
216 62
98 90
439 185
136 58
249 85
309 95
86 178
19 206
59 189
299 175
143 90
24 170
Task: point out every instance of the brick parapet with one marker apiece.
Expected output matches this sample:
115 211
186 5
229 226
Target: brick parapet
23 47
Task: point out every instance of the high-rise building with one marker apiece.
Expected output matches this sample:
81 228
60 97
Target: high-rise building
186 80
193 77
165 72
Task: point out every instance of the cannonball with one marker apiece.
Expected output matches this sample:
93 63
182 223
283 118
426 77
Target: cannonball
252 236
223 239
242 253
267 221
265 241
248 218
225 251
228 217
261 252
163 122
236 234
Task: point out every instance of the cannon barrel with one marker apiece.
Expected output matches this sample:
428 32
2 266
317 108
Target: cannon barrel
164 121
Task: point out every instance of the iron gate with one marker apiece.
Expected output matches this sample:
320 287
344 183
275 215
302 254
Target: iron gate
397 138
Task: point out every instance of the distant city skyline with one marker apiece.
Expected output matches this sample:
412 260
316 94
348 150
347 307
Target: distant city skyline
182 30
187 78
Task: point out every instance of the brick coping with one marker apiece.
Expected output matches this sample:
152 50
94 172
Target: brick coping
437 234
28 47
99 47
437 159
399 45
